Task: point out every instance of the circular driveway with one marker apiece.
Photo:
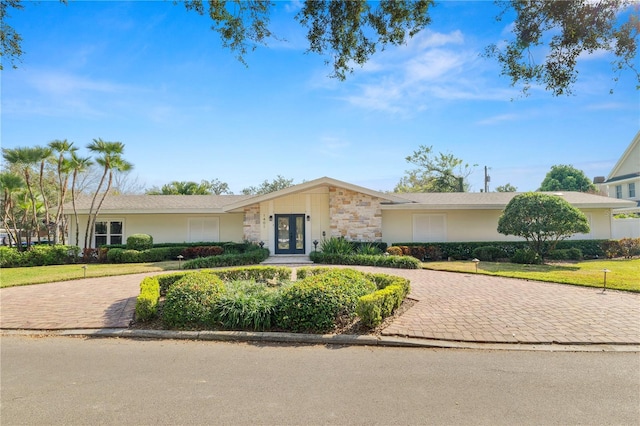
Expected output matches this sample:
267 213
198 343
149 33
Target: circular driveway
450 306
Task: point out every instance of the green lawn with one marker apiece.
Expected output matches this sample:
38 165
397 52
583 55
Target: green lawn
623 274
10 277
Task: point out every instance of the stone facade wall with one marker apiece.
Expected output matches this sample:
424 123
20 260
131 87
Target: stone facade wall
354 216
251 225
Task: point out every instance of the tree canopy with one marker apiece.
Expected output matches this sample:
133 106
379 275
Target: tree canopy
542 220
566 178
280 182
506 188
435 173
545 43
213 187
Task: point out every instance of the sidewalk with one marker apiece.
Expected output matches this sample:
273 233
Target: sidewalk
452 310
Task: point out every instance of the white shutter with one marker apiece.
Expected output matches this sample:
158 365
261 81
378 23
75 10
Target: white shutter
429 228
204 229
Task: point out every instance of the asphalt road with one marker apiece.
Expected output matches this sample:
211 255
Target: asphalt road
75 381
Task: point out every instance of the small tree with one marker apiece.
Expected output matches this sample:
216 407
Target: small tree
542 220
566 178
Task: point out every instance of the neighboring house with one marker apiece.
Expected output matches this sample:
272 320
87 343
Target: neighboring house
623 181
290 220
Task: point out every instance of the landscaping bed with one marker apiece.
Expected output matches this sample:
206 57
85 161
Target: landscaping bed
261 298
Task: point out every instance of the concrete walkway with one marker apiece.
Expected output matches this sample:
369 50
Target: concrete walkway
450 307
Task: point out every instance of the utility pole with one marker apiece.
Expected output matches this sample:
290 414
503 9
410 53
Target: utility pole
487 179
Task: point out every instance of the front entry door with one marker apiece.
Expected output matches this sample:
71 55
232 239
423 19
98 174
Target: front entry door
289 234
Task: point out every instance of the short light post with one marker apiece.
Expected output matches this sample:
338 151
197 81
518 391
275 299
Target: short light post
476 261
85 270
315 245
180 257
604 288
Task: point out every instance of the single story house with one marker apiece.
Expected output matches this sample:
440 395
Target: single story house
290 220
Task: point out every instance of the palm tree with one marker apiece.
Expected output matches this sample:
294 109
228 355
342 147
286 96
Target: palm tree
10 184
44 153
110 159
78 165
25 159
64 167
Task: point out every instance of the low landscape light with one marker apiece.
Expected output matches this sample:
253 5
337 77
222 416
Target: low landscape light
180 257
85 270
476 261
604 287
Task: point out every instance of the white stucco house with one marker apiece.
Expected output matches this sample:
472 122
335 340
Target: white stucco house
289 220
623 182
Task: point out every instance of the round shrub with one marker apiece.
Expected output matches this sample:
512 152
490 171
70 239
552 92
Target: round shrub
526 256
488 253
190 301
318 302
139 242
394 251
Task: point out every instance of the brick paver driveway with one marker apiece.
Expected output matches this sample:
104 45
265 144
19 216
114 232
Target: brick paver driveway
451 306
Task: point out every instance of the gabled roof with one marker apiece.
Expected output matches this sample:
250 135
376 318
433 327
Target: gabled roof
127 204
632 149
306 186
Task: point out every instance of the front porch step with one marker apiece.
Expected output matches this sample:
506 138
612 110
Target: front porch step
300 259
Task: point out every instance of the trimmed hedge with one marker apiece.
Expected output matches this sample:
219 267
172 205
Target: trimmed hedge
38 255
190 300
404 262
156 254
591 249
256 273
318 302
147 301
248 258
374 308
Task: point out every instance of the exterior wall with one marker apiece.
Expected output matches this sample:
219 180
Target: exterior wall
354 216
625 228
251 224
476 225
313 203
164 228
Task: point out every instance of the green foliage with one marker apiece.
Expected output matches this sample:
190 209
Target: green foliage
369 247
139 242
261 274
246 305
190 301
336 245
213 187
248 258
404 262
542 220
441 173
488 253
572 28
167 280
506 188
147 301
526 256
38 255
565 254
118 255
374 308
317 302
267 187
566 178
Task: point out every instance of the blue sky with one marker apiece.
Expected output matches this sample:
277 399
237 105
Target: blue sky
155 77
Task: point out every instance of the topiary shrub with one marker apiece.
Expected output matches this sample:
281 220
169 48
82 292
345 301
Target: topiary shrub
139 242
147 301
202 251
190 300
526 256
319 302
488 253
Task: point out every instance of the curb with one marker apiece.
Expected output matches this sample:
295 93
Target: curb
322 339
